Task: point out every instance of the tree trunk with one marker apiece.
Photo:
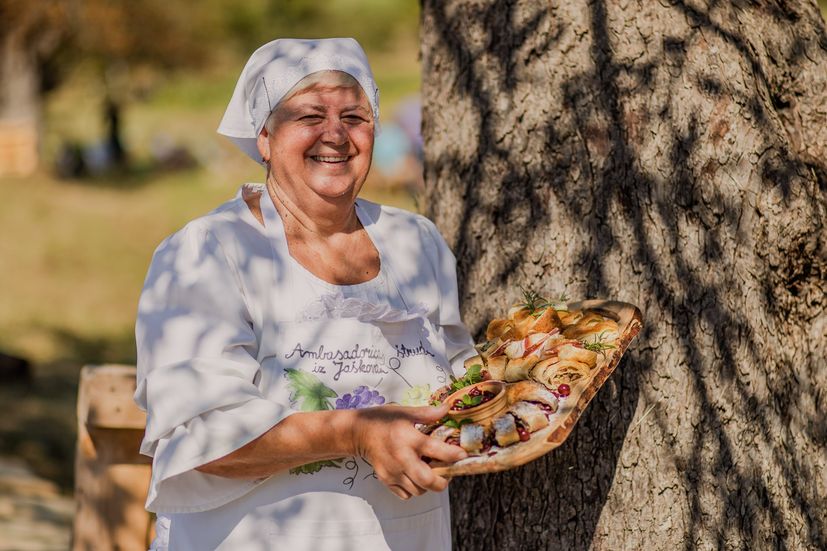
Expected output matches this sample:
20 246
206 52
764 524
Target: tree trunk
19 80
670 154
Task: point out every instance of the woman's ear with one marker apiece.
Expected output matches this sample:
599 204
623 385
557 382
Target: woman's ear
263 144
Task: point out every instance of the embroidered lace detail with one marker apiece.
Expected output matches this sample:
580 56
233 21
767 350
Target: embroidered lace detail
336 306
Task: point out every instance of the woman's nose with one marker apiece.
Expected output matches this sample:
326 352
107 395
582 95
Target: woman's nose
334 132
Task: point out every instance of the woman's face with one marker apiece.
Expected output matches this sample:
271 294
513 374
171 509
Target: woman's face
321 142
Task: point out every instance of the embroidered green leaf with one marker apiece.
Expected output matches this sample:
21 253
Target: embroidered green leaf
309 391
316 466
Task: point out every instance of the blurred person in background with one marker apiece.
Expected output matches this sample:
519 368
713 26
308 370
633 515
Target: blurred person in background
289 340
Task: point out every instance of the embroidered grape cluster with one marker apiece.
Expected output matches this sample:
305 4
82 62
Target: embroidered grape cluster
361 397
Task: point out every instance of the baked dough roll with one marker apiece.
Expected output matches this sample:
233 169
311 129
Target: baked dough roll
544 370
517 369
523 325
505 430
502 328
570 317
597 327
471 436
547 321
578 354
531 415
528 390
496 367
443 433
476 360
569 372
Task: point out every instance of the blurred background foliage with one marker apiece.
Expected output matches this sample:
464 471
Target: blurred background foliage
151 77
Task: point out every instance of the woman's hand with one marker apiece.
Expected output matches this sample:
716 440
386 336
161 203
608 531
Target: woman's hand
386 437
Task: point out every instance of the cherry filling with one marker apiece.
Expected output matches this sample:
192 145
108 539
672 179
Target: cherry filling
453 440
474 393
522 430
487 443
543 406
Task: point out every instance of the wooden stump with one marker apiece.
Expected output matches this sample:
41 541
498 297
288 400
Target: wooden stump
111 477
18 147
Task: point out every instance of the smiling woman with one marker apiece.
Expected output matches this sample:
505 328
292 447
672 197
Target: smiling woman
318 145
277 333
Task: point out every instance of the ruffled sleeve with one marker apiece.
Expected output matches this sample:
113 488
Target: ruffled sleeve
458 343
197 372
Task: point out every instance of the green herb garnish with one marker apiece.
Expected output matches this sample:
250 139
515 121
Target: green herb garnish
453 423
598 345
561 303
533 301
471 401
472 376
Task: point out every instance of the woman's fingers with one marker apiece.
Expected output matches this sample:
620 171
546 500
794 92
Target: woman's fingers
399 492
411 487
423 477
442 451
395 448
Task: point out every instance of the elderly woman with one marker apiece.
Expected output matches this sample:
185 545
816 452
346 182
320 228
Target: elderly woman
288 341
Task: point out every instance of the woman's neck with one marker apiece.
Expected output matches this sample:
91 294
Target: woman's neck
317 219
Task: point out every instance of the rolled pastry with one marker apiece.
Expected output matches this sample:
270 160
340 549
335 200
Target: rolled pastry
531 415
471 436
505 430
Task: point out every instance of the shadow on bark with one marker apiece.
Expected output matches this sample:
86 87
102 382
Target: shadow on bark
557 502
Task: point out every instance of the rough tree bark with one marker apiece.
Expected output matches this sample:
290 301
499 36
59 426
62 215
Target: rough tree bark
672 154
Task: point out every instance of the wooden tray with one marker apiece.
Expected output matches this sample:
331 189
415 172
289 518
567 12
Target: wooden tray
629 321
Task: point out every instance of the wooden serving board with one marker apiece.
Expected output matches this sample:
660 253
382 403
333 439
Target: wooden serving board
629 321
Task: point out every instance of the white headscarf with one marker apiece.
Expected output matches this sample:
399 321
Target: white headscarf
275 68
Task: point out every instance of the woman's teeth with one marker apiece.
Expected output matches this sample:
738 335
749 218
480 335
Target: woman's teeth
329 159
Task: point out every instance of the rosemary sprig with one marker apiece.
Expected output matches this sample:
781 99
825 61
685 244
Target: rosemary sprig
533 301
599 345
561 303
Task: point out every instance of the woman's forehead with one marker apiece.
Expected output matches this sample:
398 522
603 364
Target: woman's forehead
321 94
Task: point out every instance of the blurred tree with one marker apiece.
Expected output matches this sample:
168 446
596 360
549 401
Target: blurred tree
30 32
673 155
128 42
41 42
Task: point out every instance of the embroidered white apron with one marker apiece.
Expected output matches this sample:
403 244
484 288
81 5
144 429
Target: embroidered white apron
332 351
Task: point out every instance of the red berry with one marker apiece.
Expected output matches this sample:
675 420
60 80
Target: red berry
524 434
563 390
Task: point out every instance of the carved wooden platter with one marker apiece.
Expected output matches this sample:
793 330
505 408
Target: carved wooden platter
561 423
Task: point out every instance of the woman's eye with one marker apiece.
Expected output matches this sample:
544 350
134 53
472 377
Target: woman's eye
310 118
354 119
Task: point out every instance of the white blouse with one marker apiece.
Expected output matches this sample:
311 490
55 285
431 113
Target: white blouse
213 291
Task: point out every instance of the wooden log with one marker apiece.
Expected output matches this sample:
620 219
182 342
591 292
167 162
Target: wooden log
18 147
111 477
